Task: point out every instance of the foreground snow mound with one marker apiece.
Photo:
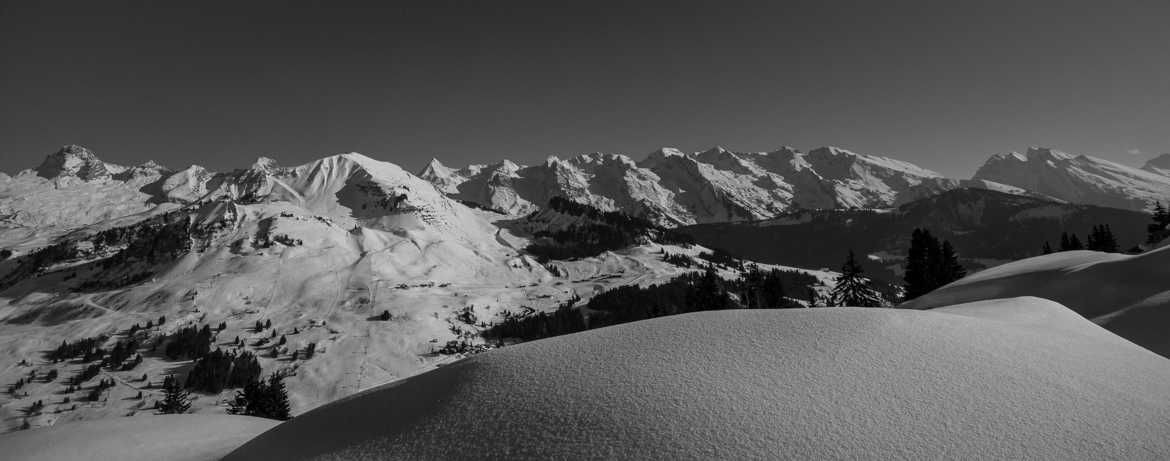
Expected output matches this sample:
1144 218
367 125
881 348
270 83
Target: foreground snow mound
151 438
986 380
1127 295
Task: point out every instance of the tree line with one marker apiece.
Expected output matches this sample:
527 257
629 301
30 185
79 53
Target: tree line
690 292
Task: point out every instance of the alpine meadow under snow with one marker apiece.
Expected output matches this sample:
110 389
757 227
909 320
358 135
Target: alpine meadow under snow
381 307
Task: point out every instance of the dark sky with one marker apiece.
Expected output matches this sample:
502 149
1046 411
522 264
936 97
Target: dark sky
942 84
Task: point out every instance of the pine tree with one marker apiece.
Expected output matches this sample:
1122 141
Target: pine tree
916 265
1074 243
1046 249
278 407
1065 243
951 270
1157 229
852 287
175 399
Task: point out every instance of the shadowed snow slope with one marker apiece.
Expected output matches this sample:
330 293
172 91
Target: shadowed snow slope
1015 379
164 437
1128 295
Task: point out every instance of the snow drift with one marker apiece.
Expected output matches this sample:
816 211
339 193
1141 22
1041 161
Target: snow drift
1128 295
149 438
1021 378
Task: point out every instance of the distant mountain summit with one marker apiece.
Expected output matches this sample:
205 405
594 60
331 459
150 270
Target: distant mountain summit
671 187
76 161
1159 165
1080 178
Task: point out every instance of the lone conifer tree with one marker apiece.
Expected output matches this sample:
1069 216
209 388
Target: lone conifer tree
175 399
1065 243
1074 243
917 266
852 288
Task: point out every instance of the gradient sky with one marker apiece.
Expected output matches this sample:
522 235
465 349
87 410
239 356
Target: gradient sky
942 84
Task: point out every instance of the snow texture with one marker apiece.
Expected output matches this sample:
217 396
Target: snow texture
1020 378
148 438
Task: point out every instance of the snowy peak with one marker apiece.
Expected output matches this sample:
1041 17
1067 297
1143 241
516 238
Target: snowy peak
1047 153
662 154
435 169
73 161
1158 165
1078 178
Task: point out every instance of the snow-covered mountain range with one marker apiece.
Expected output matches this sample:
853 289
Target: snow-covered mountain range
1081 178
672 188
371 267
323 249
675 188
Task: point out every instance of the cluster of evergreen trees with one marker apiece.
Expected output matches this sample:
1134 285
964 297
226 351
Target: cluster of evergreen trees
68 350
124 355
691 292
930 264
96 393
721 257
159 239
87 373
266 398
189 342
565 319
1101 238
679 260
162 239
603 231
220 370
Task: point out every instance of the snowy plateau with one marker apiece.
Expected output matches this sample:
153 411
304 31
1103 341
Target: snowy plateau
370 289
